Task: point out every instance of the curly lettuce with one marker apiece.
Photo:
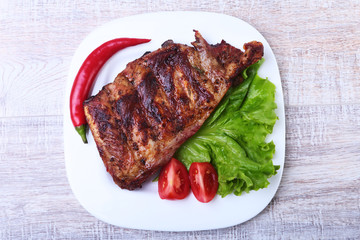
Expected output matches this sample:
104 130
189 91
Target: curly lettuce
233 137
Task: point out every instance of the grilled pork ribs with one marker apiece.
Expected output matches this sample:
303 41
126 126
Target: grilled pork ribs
159 101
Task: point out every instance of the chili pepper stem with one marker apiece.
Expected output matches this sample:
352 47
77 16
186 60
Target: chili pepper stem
82 132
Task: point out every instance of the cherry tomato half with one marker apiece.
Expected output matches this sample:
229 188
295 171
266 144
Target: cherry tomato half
204 181
174 181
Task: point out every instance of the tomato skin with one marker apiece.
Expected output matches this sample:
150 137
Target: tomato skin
174 181
203 180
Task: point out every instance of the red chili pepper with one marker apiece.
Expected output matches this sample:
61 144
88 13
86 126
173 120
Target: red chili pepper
87 74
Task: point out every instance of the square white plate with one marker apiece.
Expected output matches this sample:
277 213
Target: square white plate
143 208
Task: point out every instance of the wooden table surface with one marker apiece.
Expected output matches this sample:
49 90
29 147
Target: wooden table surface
317 45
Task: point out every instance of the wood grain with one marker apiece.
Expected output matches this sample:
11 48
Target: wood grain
317 45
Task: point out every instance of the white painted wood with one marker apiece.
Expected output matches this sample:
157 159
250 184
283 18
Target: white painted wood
317 44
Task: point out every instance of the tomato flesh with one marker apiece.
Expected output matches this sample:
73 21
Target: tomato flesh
174 181
204 181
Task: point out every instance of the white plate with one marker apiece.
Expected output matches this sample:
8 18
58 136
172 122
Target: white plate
143 209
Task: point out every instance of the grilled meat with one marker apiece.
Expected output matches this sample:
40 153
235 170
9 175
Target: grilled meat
159 101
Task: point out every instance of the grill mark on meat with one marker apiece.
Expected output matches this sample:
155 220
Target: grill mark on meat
103 120
101 115
165 66
125 108
147 91
122 135
135 111
184 100
137 117
162 65
135 146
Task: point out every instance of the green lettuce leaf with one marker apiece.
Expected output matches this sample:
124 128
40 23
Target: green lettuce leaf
233 138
